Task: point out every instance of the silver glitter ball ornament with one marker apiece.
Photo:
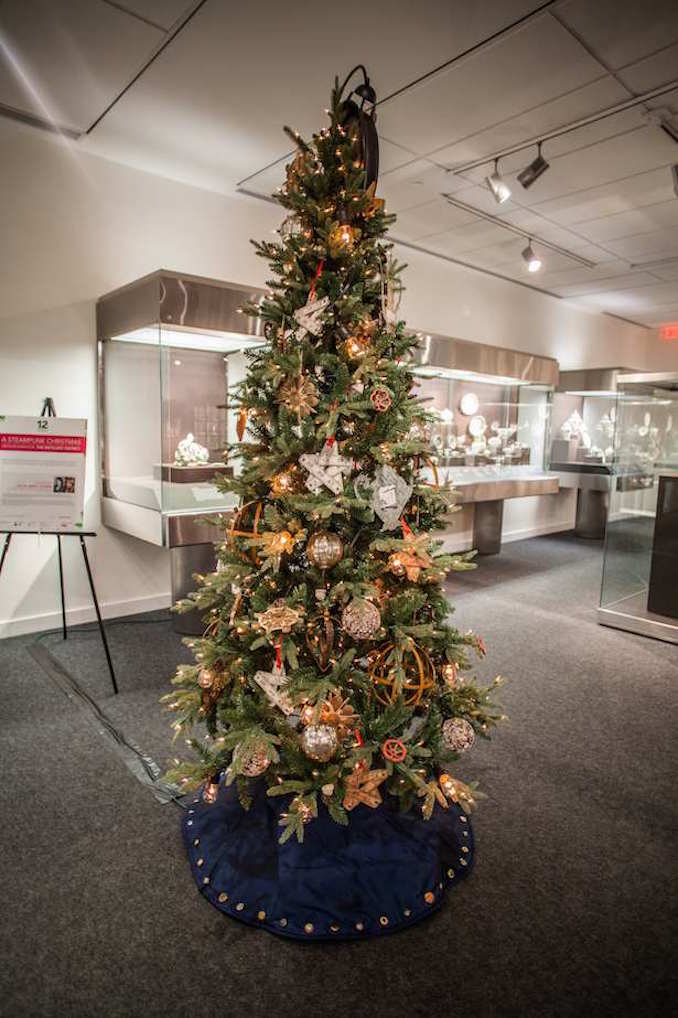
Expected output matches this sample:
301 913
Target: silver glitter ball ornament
458 734
361 619
319 742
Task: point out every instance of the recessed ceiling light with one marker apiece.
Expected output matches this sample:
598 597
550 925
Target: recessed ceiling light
532 260
498 186
532 172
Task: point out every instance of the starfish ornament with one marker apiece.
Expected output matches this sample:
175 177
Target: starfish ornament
363 786
326 468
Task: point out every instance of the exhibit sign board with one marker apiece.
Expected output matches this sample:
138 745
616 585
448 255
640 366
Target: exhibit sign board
42 473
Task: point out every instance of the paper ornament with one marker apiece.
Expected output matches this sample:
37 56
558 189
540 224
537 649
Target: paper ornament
326 468
389 493
309 318
272 684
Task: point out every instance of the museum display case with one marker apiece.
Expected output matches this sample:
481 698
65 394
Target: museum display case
490 431
582 449
170 349
640 570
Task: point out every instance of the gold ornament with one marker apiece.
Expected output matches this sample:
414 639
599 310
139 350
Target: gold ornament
363 786
206 678
449 672
361 619
324 549
276 543
320 640
319 742
381 399
415 681
252 763
357 346
278 617
241 426
286 482
338 712
342 239
299 395
411 559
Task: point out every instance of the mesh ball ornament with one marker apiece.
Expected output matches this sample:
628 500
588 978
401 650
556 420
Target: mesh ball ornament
458 734
253 763
324 549
361 619
319 742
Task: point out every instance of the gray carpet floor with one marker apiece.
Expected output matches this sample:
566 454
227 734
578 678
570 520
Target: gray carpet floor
568 911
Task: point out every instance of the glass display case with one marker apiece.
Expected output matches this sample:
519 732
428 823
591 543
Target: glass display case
490 435
640 570
582 449
170 349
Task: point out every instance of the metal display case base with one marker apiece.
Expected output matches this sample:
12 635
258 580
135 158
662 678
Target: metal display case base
187 560
487 523
631 614
592 508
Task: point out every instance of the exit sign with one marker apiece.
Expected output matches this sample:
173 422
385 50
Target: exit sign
669 331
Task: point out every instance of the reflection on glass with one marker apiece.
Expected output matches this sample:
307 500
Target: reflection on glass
646 450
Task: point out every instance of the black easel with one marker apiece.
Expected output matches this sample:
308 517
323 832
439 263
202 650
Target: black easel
49 411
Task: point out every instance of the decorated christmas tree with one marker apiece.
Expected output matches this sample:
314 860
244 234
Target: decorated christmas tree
329 674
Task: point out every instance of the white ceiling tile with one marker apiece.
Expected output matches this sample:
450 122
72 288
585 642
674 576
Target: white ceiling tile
622 31
67 71
542 118
593 202
625 224
163 13
521 71
646 246
411 185
431 217
669 271
652 72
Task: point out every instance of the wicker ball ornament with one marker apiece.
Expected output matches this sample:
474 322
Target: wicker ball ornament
361 619
381 399
324 549
319 742
419 675
458 734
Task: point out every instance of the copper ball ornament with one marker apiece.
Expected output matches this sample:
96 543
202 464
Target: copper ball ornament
361 619
254 763
458 734
324 549
319 742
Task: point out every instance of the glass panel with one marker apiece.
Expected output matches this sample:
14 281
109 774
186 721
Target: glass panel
646 446
194 424
583 430
499 428
131 393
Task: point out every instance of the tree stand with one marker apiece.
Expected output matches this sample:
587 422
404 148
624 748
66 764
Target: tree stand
382 873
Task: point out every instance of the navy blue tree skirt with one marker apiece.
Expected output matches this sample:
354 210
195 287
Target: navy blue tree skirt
383 872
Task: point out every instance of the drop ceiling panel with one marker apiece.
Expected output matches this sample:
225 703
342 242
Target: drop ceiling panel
588 203
541 61
542 118
163 13
622 33
431 217
652 72
646 246
625 224
68 71
413 184
669 271
603 286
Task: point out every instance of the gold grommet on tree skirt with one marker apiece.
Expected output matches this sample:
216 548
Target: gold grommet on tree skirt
417 675
223 897
308 928
383 919
240 906
429 897
261 915
360 927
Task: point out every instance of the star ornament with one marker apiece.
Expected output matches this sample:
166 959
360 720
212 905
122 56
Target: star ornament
363 786
326 468
309 319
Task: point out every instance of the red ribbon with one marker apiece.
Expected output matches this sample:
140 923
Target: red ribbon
278 654
358 737
407 530
318 273
330 441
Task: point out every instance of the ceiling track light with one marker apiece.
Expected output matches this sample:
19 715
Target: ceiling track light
534 171
498 186
532 260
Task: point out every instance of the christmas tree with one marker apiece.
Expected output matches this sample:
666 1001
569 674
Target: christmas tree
328 668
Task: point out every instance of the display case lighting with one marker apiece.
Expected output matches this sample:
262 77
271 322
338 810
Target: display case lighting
469 376
590 392
161 335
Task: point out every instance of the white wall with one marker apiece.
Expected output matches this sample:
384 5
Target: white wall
74 226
